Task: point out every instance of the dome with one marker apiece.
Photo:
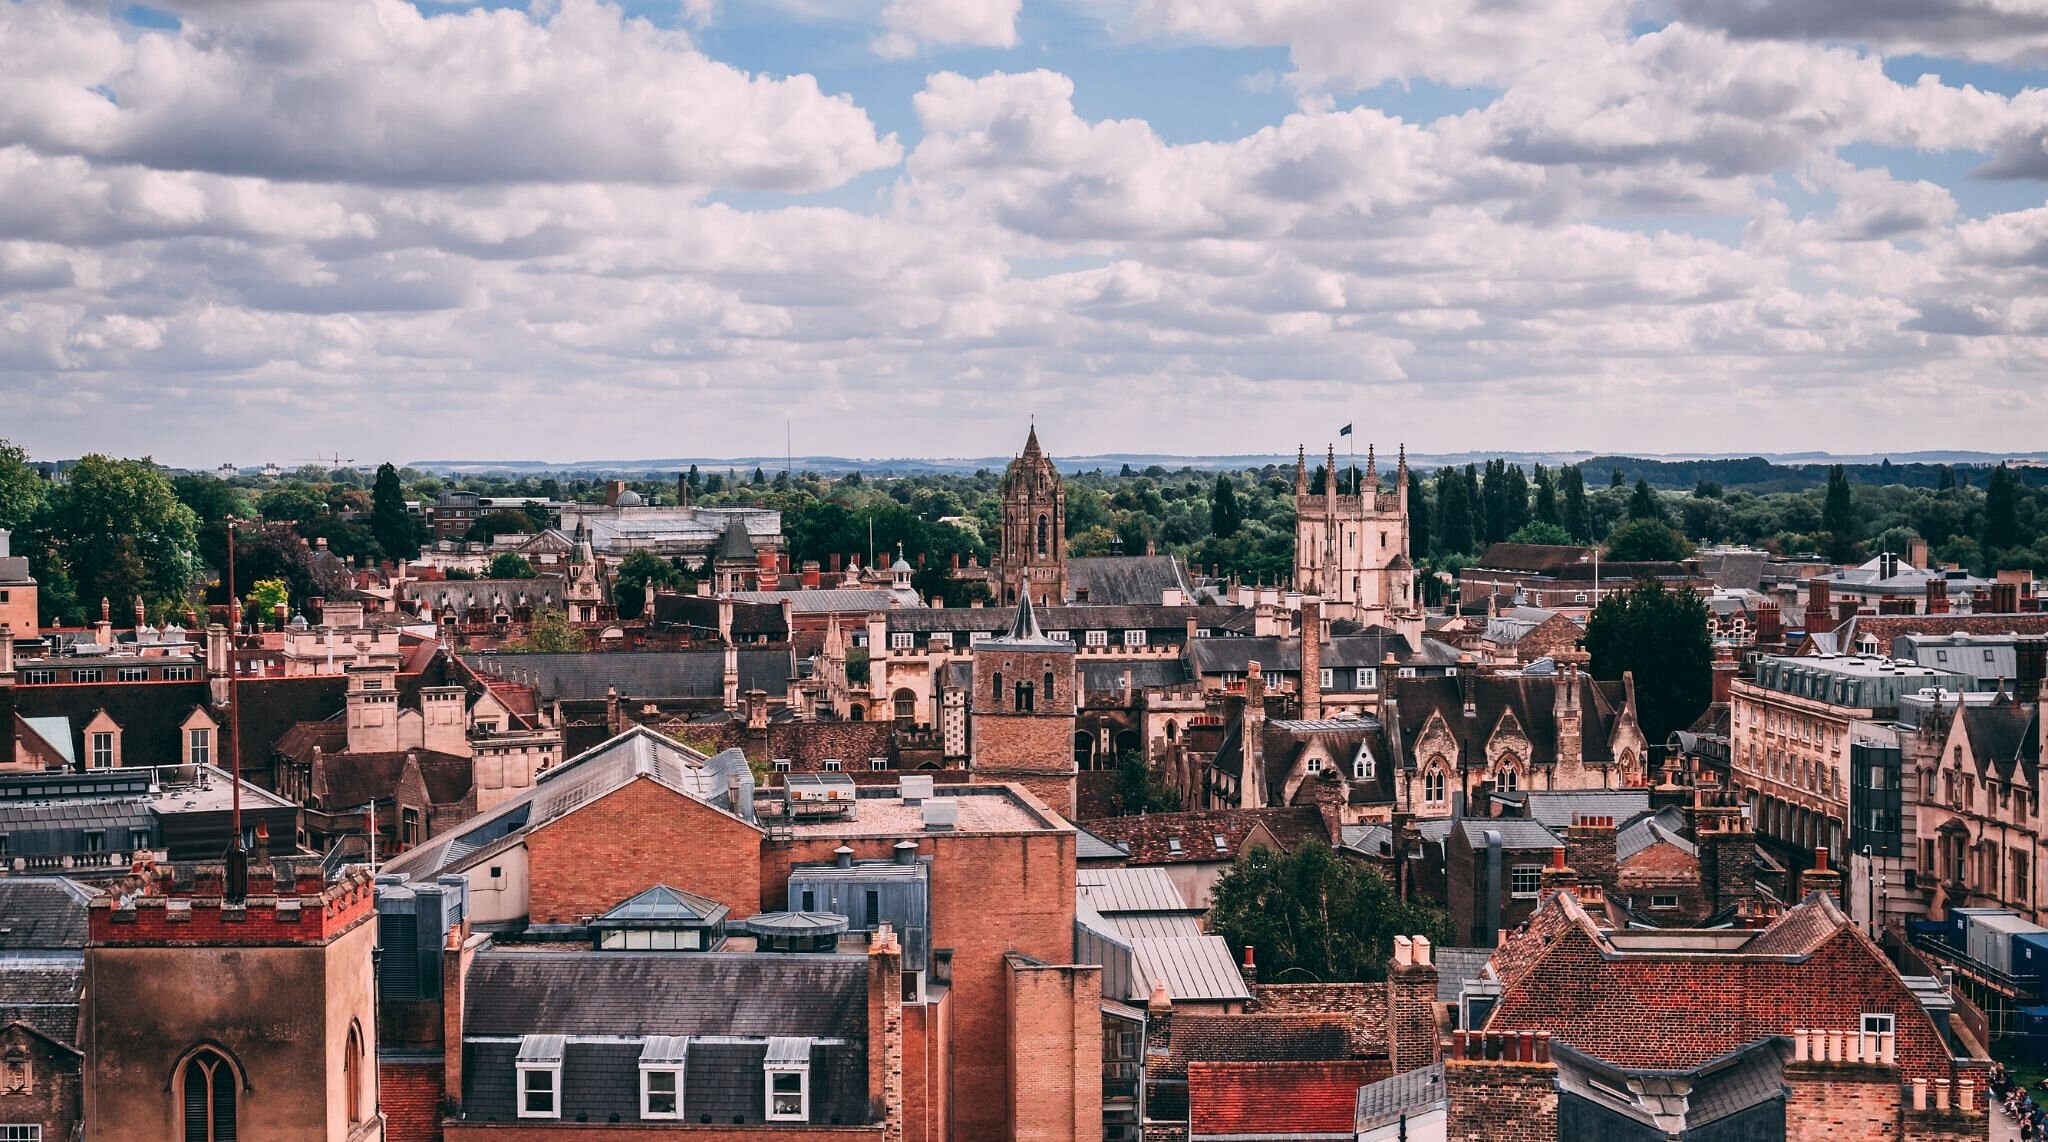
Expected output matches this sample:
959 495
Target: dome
629 499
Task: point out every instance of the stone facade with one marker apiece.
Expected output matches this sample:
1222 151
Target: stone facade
1352 550
1033 546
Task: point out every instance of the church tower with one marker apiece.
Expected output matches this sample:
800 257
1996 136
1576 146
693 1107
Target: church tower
1021 713
1033 545
1352 550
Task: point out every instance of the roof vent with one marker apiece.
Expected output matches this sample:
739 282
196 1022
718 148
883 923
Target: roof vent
916 788
906 852
843 856
941 814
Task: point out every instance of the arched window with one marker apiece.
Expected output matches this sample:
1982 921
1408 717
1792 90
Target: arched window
996 690
207 1089
1044 535
1048 686
1509 780
1024 698
858 714
352 1072
1433 786
906 706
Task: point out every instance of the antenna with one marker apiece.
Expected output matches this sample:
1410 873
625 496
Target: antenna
236 858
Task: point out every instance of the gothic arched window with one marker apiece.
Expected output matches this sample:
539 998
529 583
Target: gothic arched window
352 1072
1048 685
1024 698
207 1088
996 691
1044 535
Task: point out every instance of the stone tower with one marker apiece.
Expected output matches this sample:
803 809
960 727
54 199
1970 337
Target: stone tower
1033 546
1352 550
1021 714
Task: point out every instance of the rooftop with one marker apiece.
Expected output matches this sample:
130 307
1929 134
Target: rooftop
881 811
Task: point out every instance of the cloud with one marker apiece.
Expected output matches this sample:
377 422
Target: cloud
911 26
379 92
1999 31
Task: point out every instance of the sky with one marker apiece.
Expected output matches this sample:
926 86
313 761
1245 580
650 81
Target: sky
275 230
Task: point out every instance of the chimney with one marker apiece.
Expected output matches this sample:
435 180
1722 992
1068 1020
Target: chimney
813 576
1724 672
2030 657
1311 659
1770 625
842 856
1916 553
1726 848
1411 1005
1937 595
613 489
1819 607
757 711
906 851
141 614
1821 878
2005 598
1589 844
833 565
732 677
6 540
1249 969
1468 684
6 653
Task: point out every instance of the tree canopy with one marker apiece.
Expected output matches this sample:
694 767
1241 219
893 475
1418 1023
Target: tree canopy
1311 915
1660 636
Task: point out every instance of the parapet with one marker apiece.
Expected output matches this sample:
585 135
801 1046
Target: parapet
150 910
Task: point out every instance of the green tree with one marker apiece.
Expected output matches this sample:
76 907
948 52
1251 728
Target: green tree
2001 511
1646 541
509 565
491 525
1454 509
266 596
1838 516
390 521
289 502
1616 480
1421 540
760 477
1546 509
1577 521
1225 515
1141 790
548 633
122 532
1644 504
1313 916
21 489
1660 636
641 573
1538 532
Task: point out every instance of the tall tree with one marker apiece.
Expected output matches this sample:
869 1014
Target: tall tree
1493 500
2001 510
1838 515
1546 509
1577 521
1313 917
390 522
1644 504
1514 499
1225 515
510 565
1660 636
123 532
1646 541
21 489
1454 509
640 573
1420 538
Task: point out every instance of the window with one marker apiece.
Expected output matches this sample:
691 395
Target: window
102 750
94 841
941 641
209 1087
1326 678
789 1095
1026 702
832 765
781 765
874 903
1048 686
1173 845
1368 678
540 1086
139 839
1134 638
93 675
2021 863
901 641
198 746
1044 545
878 764
38 677
1509 780
1096 638
1877 1023
661 1091
27 1133
1221 844
906 705
177 674
1433 786
1315 765
132 674
1663 901
997 690
1362 768
1525 880
352 1072
1060 635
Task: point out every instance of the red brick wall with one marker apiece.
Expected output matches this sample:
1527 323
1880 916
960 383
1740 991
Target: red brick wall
1365 1003
52 1100
927 1070
1501 1102
1055 1053
410 1095
1836 1103
637 836
634 1132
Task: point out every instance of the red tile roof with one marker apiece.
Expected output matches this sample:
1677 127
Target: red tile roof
1274 1098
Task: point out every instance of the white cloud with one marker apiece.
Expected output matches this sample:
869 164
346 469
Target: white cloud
910 26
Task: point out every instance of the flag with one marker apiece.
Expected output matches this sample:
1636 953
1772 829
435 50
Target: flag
1344 431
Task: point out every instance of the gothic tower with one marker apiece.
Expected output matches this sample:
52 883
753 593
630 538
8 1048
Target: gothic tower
1033 546
1352 550
1021 714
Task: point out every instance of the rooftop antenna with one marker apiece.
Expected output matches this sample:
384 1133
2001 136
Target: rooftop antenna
236 858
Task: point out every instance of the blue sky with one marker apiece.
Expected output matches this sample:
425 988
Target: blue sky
897 226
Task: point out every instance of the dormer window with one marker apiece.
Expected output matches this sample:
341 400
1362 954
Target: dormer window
788 1071
663 1062
539 1068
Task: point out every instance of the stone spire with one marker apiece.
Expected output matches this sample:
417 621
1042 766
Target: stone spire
1401 479
1024 628
1300 471
1372 471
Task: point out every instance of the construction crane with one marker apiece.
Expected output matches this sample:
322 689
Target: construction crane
332 460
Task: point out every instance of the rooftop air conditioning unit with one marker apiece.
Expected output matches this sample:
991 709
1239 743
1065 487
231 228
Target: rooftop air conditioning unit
916 788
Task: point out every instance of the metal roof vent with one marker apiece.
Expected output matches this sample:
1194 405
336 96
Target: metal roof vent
906 852
941 814
843 856
916 788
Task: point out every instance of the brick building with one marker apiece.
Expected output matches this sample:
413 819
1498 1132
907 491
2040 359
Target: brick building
1022 711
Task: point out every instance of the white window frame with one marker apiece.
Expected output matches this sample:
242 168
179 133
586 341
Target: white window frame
1434 776
1368 678
878 764
1327 678
21 1132
131 674
1362 768
93 752
1134 638
38 677
1530 874
902 640
177 674
1060 635
1879 1023
943 640
199 745
834 765
780 765
88 674
1314 764
673 1070
803 1093
554 1073
1663 901
1096 638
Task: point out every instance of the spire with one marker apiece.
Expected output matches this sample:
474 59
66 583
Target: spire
1401 479
1300 470
1372 470
1024 628
1031 442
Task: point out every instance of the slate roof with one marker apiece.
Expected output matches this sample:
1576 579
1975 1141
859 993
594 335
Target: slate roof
2005 737
1517 834
1168 621
734 542
1283 655
1671 1105
1531 699
1125 580
1662 827
462 596
827 600
1557 810
1409 1093
586 992
40 913
43 991
641 673
149 714
1148 838
1291 1100
1456 965
1146 673
1088 846
1260 1037
1537 558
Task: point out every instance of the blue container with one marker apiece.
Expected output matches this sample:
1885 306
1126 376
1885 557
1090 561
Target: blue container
2030 959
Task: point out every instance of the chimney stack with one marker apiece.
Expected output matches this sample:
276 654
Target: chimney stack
2005 598
1916 553
1819 607
1937 596
1311 659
